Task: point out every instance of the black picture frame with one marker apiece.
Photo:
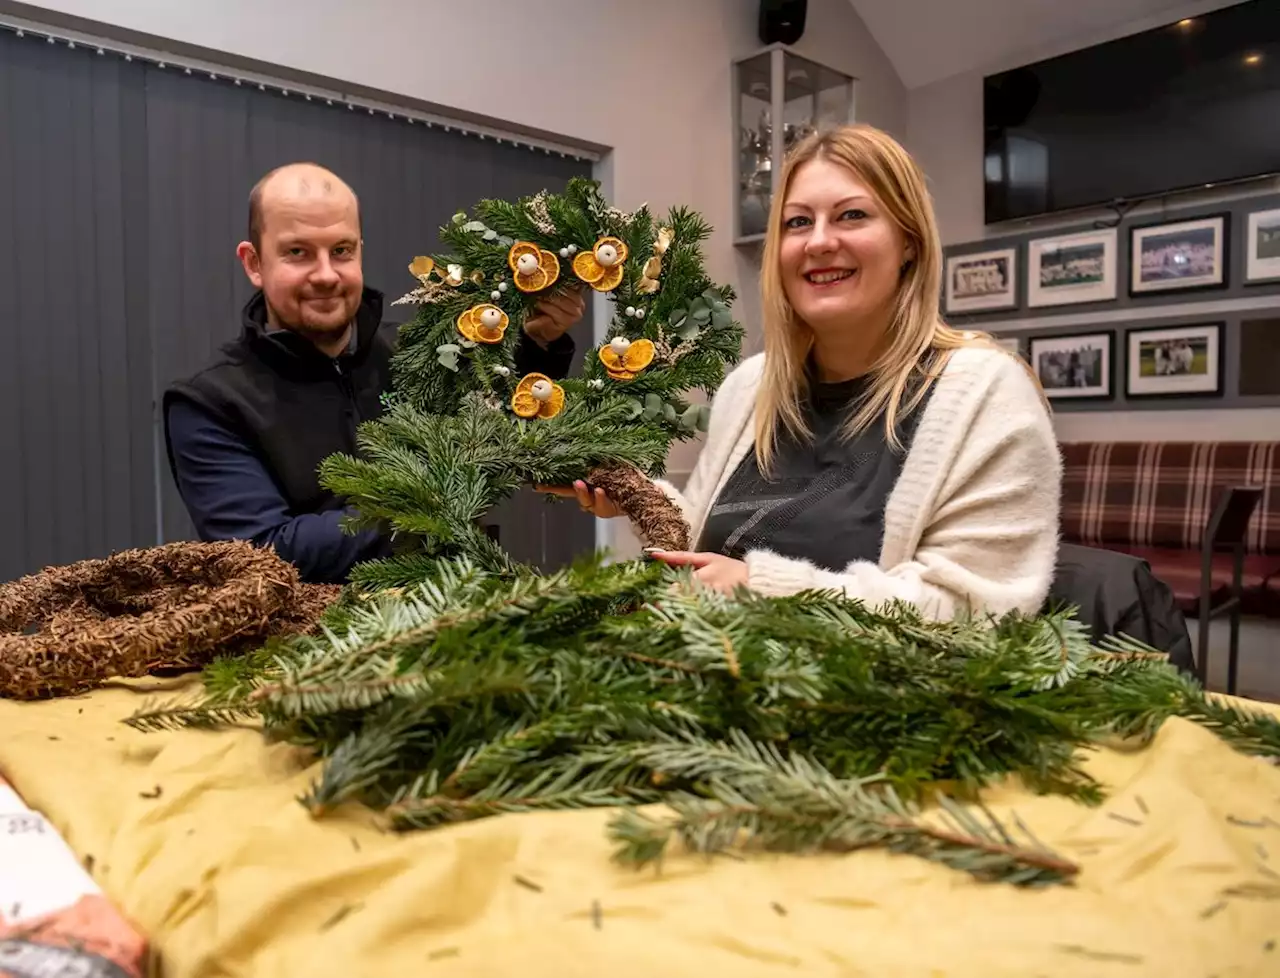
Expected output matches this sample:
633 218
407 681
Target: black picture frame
1036 346
1136 233
1218 375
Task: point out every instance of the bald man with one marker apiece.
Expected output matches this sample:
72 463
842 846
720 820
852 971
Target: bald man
246 435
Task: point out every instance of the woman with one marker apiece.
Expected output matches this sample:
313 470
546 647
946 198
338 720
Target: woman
871 448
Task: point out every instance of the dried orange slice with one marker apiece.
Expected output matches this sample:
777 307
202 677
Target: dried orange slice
611 280
524 404
421 267
617 244
587 268
550 264
518 249
621 374
489 318
535 282
528 380
638 356
553 405
467 325
486 335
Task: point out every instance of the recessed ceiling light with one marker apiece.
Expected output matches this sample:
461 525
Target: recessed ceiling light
1253 59
1186 23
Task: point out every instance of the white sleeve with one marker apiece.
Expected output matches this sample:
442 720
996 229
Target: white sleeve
990 543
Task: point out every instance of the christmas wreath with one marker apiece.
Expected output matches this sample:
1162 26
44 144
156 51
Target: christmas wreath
454 684
68 629
463 430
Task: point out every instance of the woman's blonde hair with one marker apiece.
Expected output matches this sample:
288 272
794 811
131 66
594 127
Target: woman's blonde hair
916 327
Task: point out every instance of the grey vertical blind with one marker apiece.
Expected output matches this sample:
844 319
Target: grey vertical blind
123 192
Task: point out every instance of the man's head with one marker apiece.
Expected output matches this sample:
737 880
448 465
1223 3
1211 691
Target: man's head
304 251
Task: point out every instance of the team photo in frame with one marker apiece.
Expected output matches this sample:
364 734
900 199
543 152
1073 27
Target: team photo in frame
1180 256
1262 247
1072 269
1175 361
982 282
1074 367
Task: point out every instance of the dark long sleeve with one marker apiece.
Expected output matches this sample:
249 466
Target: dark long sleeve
554 361
231 496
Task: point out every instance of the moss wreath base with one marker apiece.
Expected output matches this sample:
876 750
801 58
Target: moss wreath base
178 606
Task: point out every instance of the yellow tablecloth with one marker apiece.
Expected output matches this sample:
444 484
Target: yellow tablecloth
230 877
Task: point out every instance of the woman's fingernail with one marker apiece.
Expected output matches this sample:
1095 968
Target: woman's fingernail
655 550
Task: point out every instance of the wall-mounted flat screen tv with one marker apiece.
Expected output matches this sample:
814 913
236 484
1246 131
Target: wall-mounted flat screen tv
1191 103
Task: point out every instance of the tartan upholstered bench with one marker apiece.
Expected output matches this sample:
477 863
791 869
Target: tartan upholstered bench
1154 499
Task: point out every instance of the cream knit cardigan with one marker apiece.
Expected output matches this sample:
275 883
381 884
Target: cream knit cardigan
971 524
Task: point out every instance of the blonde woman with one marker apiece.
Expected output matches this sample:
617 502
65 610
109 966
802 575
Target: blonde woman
871 448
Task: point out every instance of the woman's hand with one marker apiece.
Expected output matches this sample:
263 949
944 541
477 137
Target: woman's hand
594 502
716 571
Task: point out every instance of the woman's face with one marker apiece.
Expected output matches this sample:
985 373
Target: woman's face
841 254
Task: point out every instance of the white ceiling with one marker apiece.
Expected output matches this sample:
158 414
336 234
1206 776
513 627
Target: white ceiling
928 40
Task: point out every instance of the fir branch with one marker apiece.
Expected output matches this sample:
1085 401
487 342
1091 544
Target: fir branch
791 804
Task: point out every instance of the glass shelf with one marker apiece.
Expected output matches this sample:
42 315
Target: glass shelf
806 96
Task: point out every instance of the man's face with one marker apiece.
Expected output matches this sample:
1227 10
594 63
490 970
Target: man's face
308 262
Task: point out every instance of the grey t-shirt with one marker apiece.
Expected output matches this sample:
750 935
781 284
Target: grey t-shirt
826 500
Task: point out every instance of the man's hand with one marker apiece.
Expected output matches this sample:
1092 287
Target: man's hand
713 570
556 315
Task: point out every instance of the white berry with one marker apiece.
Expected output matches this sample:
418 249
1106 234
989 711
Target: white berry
564 252
502 371
620 345
527 264
495 295
502 286
639 314
607 255
491 318
541 390
596 385
573 250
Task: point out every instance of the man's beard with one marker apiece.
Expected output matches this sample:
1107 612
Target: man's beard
306 326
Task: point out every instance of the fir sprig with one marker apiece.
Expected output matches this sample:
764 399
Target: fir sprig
472 692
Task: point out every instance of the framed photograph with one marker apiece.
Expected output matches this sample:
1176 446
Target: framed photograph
984 281
1262 247
1177 361
1179 257
1075 268
1074 367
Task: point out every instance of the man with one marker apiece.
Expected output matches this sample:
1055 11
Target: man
246 435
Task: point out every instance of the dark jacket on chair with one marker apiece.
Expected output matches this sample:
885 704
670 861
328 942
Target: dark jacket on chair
1117 594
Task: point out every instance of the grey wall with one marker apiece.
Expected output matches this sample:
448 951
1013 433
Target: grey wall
123 194
1231 305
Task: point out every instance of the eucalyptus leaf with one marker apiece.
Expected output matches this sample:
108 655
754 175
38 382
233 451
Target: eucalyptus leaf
652 406
701 316
491 235
713 298
634 408
697 306
447 348
474 226
506 242
690 331
704 416
677 314
721 318
449 361
669 412
459 217
689 417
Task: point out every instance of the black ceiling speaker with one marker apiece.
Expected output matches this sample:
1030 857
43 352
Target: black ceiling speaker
781 21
